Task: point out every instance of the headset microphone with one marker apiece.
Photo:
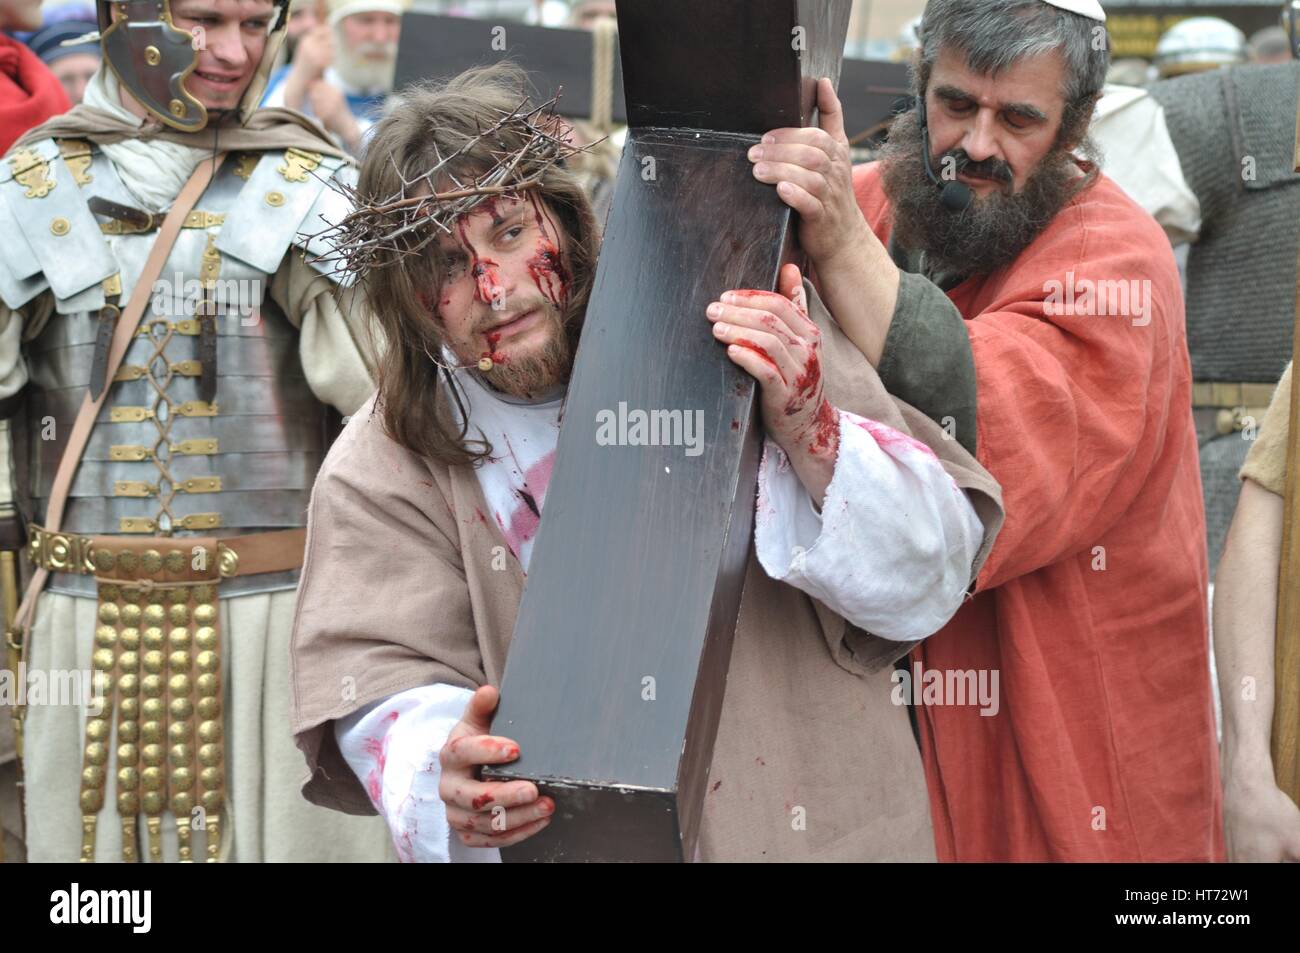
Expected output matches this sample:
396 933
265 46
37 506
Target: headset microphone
955 196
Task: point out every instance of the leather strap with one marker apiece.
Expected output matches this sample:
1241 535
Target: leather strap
141 295
208 352
108 317
277 551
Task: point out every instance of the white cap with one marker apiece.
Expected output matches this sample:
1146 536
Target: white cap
1085 8
338 9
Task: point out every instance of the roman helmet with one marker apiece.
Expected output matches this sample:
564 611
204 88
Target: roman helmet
151 57
1199 44
1291 21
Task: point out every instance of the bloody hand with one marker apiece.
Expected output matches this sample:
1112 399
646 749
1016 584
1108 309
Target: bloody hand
770 335
487 813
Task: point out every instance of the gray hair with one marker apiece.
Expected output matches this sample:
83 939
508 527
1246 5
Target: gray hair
996 34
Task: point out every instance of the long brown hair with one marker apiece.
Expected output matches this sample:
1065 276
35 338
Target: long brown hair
423 124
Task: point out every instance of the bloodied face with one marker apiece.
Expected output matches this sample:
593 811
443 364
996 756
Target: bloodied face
504 294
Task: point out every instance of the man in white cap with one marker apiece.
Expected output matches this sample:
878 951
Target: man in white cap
1002 284
343 70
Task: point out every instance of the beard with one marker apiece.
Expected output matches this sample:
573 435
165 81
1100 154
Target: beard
360 72
992 231
541 370
538 372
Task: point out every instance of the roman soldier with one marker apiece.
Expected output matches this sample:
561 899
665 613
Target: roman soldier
176 363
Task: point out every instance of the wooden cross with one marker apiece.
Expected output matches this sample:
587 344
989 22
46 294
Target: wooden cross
438 48
614 682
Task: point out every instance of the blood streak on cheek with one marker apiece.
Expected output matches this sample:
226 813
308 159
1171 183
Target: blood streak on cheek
483 270
492 354
548 272
546 267
486 279
751 346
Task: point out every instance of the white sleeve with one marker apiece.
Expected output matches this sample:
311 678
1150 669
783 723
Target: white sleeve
392 746
13 368
1139 154
893 547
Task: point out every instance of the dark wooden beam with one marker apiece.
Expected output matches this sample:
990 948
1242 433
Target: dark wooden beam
438 48
637 571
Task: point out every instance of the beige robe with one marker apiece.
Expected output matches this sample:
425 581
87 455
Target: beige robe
813 760
1266 463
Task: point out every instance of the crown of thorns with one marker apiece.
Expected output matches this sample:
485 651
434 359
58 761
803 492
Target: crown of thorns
380 232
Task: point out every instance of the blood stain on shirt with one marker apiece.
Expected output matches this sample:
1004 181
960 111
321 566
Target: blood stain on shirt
889 439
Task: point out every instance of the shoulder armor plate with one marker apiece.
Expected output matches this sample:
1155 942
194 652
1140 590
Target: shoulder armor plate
330 208
49 212
273 205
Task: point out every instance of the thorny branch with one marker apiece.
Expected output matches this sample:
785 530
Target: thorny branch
405 222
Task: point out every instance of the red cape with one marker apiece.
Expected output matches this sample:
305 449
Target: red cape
1092 605
29 93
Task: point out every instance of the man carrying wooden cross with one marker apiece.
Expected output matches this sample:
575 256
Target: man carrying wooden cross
423 520
982 247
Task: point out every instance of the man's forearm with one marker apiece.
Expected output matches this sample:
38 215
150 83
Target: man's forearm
860 288
1245 607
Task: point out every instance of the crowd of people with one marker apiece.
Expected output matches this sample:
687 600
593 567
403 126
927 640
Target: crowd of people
1051 480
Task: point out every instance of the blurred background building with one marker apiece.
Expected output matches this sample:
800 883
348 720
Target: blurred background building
878 25
873 32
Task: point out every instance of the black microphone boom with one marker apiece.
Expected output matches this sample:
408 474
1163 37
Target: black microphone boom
955 196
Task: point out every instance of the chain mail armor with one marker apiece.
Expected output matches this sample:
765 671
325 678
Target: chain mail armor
1234 130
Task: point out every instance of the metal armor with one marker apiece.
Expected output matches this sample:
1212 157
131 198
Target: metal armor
163 460
209 432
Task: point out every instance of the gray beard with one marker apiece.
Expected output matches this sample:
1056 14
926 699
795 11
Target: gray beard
365 77
990 233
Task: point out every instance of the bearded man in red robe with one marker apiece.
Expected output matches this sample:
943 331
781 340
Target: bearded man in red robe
1002 283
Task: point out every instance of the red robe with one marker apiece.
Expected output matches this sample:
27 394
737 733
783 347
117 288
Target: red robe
1092 605
29 93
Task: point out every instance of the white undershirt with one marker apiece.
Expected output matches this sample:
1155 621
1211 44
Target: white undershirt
523 435
891 551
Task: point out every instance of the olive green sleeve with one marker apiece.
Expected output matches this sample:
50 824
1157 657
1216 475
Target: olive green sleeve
927 360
